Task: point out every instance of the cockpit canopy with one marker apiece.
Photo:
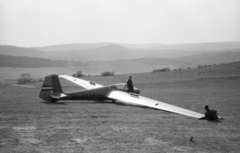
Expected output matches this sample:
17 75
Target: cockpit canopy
121 86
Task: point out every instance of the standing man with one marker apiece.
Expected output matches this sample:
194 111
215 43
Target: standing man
130 84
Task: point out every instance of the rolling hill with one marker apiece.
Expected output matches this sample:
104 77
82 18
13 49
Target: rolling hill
189 54
117 52
164 61
21 51
208 46
185 61
69 47
80 46
27 62
213 57
145 62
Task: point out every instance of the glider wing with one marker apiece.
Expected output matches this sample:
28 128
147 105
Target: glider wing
143 101
83 83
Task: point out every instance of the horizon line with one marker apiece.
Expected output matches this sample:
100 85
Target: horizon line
118 43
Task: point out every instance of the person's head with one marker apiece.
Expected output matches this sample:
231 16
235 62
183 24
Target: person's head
130 77
206 107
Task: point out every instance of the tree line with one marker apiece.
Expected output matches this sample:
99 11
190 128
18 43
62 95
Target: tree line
33 62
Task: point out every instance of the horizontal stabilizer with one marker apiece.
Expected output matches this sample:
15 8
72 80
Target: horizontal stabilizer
58 95
26 86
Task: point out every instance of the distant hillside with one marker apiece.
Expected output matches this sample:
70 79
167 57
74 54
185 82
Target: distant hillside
213 57
184 62
164 61
80 46
117 52
27 62
21 51
69 47
100 53
23 61
187 53
209 46
232 68
225 71
117 63
228 70
145 62
104 53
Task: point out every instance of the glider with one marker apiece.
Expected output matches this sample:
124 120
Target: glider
52 91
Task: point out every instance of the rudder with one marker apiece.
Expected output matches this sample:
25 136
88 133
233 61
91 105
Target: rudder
56 84
51 85
46 89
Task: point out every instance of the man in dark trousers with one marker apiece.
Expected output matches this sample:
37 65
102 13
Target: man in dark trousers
210 114
130 84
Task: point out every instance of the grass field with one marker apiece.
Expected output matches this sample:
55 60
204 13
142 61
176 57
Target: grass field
27 124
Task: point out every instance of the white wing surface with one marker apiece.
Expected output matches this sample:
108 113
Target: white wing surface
139 100
83 83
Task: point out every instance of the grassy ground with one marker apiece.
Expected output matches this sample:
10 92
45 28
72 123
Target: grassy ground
27 124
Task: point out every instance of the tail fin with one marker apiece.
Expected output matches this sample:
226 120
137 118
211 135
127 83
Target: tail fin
51 85
56 84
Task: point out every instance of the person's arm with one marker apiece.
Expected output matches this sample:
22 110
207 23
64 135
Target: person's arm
128 83
131 84
216 115
125 86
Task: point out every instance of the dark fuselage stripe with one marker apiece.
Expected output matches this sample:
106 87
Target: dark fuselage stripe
47 86
46 89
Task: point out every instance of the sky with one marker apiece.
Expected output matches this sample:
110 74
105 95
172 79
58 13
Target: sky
33 23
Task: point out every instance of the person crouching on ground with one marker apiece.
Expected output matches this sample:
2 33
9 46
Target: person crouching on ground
210 114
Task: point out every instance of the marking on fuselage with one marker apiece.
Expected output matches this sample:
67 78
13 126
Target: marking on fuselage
83 96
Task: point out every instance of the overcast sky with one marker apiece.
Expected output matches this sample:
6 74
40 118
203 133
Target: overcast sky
30 23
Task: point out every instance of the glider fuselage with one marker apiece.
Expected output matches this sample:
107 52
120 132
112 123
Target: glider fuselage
92 94
52 91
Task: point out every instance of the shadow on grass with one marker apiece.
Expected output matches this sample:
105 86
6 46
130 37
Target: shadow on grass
214 121
53 103
96 102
